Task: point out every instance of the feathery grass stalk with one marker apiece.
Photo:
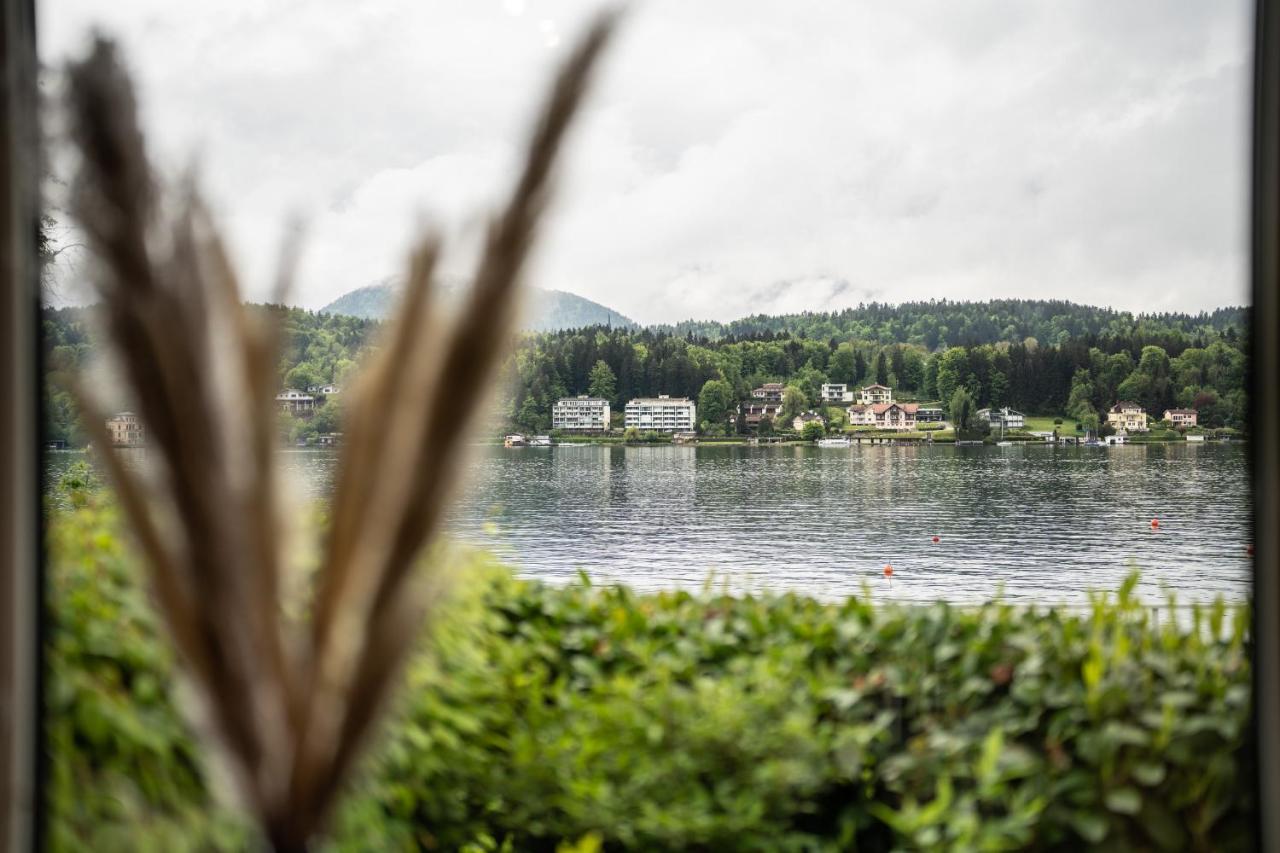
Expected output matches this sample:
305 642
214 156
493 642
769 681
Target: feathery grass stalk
291 704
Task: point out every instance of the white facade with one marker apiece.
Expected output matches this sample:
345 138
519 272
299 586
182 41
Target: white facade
1011 418
836 392
290 400
875 394
126 430
580 414
662 414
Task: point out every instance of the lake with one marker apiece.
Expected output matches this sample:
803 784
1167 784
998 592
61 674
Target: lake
1040 523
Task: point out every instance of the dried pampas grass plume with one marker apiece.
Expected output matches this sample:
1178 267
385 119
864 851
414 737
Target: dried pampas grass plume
291 704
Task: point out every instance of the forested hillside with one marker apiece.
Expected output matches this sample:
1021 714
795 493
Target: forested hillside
315 349
1082 378
1040 357
940 323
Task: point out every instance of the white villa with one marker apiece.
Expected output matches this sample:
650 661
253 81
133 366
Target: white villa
1127 416
873 395
836 392
291 400
896 416
126 430
662 414
1181 417
580 414
1009 418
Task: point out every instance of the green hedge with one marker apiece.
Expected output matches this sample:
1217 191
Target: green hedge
544 715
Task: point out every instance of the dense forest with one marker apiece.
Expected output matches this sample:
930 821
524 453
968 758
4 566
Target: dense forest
1039 357
941 323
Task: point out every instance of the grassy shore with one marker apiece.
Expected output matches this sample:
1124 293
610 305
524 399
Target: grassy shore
1045 423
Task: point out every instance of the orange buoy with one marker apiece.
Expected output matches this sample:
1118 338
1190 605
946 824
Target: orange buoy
888 571
936 540
1155 524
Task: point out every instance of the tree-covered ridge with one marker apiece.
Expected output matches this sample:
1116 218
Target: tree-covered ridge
315 349
1159 361
1081 377
941 323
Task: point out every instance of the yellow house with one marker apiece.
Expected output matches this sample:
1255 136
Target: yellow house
1127 416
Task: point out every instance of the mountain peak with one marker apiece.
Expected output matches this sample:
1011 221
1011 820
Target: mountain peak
550 310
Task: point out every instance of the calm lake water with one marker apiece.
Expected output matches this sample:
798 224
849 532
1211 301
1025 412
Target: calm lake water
1044 524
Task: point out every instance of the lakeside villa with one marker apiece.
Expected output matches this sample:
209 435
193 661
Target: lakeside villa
661 414
1005 417
894 416
1181 418
126 430
295 402
1127 416
580 414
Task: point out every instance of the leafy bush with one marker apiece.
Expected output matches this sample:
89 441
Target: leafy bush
677 721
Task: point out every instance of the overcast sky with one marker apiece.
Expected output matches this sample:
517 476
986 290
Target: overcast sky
737 157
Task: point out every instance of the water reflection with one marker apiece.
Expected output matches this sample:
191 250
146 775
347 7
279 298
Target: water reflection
1042 523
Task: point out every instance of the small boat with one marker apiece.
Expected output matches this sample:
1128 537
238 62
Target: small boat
514 441
540 441
1004 444
834 442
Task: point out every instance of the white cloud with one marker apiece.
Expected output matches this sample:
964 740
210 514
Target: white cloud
737 157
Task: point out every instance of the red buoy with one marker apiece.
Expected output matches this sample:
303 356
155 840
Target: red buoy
1155 523
888 571
936 540
1249 550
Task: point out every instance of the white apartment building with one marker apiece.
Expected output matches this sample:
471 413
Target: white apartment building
662 414
836 392
580 414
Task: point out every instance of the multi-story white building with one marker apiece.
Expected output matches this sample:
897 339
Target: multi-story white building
662 414
580 414
873 395
296 402
126 430
896 416
836 392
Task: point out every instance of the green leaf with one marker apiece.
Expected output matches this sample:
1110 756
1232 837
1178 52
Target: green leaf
1124 800
1148 773
1091 826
